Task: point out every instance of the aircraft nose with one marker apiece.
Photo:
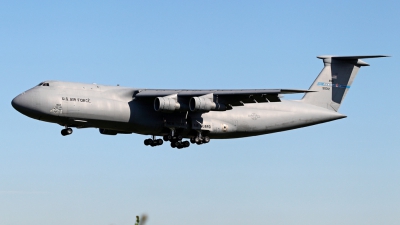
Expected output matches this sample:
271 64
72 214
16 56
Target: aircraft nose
21 103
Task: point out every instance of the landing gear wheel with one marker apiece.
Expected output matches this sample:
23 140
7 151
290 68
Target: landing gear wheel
186 144
179 145
65 132
165 137
153 142
173 144
206 139
199 141
192 140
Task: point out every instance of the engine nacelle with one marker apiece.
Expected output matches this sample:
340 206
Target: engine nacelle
205 104
166 104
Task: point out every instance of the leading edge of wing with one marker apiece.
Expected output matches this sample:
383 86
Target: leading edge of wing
187 93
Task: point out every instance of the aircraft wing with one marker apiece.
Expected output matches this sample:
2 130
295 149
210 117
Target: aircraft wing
228 97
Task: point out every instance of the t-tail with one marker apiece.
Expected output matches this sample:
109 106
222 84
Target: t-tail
335 80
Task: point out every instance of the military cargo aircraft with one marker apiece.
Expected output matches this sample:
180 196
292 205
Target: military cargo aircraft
197 115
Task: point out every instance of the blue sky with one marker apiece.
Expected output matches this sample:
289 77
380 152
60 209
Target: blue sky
342 172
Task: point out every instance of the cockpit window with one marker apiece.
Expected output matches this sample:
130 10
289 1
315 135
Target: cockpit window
43 84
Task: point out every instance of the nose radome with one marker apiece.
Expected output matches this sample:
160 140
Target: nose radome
21 102
15 103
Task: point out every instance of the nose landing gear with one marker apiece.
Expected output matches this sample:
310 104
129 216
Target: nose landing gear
66 131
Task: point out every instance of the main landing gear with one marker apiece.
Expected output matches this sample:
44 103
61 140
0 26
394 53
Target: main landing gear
199 139
153 142
176 140
175 143
66 131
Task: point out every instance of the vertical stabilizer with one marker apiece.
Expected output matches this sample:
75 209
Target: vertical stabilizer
335 80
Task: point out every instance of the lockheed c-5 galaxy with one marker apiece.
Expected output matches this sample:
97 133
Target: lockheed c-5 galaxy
198 115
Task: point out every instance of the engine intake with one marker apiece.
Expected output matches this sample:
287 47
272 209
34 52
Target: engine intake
166 104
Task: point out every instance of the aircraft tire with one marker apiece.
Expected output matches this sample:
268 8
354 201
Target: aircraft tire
159 141
165 137
206 139
63 132
192 140
186 144
173 144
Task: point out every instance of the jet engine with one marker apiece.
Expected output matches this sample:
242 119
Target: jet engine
205 103
166 104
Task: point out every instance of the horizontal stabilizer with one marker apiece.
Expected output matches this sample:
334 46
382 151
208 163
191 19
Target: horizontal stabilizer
351 57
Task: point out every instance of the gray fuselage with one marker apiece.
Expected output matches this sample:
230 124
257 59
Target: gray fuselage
116 108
